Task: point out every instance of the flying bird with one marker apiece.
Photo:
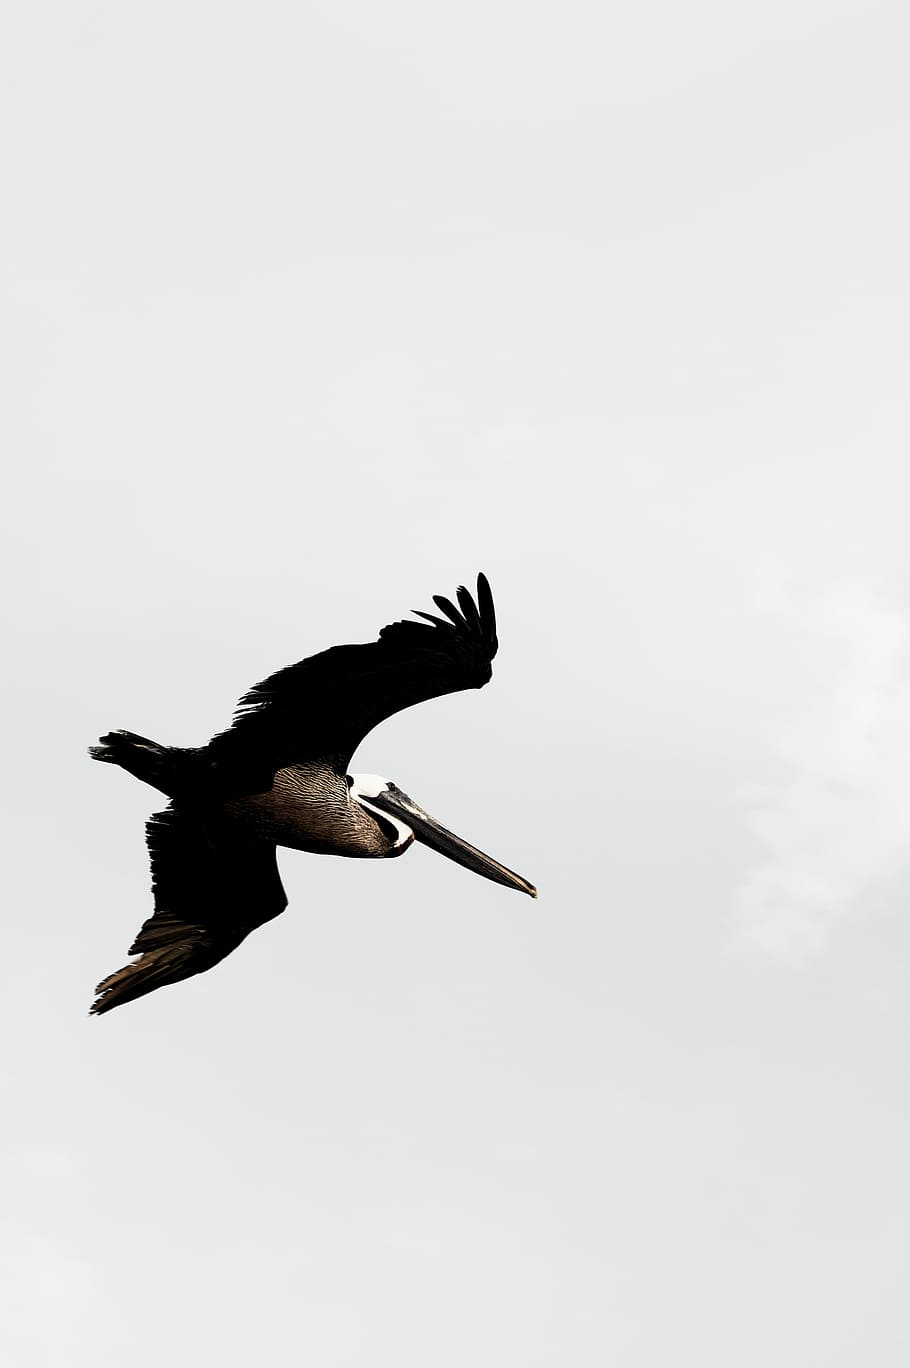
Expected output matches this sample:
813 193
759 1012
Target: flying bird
278 777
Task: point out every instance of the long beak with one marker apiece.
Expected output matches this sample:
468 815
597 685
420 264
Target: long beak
397 804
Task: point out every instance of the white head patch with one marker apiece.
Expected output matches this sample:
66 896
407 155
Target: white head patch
367 786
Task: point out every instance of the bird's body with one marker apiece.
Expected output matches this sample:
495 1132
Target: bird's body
278 777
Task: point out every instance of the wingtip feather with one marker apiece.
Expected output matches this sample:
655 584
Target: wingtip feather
469 610
446 606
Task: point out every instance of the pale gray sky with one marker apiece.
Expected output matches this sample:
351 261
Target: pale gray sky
309 314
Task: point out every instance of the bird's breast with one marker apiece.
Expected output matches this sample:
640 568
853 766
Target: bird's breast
309 808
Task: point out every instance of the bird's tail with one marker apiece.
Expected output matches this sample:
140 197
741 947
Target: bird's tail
157 765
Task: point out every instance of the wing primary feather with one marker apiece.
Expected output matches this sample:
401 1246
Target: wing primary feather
436 621
448 607
469 611
486 608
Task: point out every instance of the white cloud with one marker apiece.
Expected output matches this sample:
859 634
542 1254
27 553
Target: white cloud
838 822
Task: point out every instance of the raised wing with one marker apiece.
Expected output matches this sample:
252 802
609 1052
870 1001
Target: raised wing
323 707
213 885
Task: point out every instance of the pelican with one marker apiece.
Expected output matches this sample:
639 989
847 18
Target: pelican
278 777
